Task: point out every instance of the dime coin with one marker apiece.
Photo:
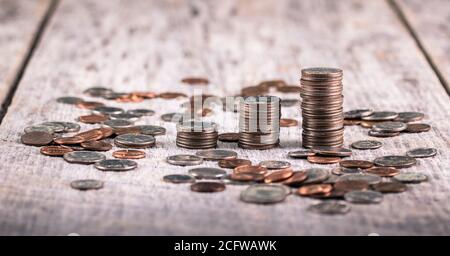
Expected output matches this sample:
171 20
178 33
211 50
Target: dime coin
366 144
381 116
184 160
411 177
351 185
152 130
332 151
69 140
390 187
302 153
390 126
342 170
97 145
395 161
417 128
135 140
272 164
208 187
93 119
229 137
284 122
55 150
369 178
233 163
69 100
118 123
179 178
118 165
250 169
264 194
141 112
207 173
103 110
357 113
315 189
383 171
278 176
316 175
38 128
329 208
86 184
422 152
296 179
356 164
172 117
37 138
55 126
83 157
323 159
383 134
364 197
216 154
129 154
407 117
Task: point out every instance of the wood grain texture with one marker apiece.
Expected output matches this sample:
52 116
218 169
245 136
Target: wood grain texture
430 21
151 45
19 22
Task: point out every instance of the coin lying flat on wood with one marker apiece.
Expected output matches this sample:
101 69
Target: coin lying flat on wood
36 138
233 163
302 153
332 151
55 150
296 179
315 189
421 152
379 134
366 144
278 176
93 119
390 187
329 208
38 128
208 187
395 161
369 178
351 185
69 100
69 140
97 145
117 165
411 177
179 178
407 117
356 164
216 154
383 171
83 157
364 197
86 184
129 154
207 173
251 169
390 126
417 128
357 113
381 116
264 194
342 170
273 164
184 160
323 159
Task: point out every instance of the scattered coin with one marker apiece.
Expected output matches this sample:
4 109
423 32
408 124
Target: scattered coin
36 138
86 184
171 95
315 189
38 128
118 123
316 175
342 170
366 144
272 164
83 157
390 187
152 130
233 163
104 110
357 113
184 160
383 171
229 137
364 197
390 126
351 185
330 208
97 145
264 194
129 154
407 117
91 135
135 141
302 153
381 116
69 100
411 177
368 124
421 152
417 128
296 179
251 169
69 140
55 126
356 164
55 150
125 116
383 134
323 159
285 122
278 176
246 177
93 119
369 178
207 173
117 165
172 117
141 112
349 122
89 104
332 151
70 127
97 91
208 187
179 178
216 154
195 81
395 161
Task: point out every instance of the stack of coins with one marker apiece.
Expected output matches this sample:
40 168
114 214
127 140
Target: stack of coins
197 135
259 122
322 112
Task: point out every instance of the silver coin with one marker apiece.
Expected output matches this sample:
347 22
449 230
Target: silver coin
152 130
330 208
272 164
332 151
125 116
332 179
179 178
138 140
422 152
408 117
366 144
369 178
172 117
104 110
83 157
289 102
55 126
265 194
69 100
316 175
141 112
196 126
118 123
207 173
38 128
86 184
357 113
114 95
364 197
410 177
70 127
390 126
381 116
216 154
302 153
117 165
342 171
184 160
395 161
379 134
97 91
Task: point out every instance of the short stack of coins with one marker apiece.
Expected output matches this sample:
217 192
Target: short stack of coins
197 135
259 122
321 107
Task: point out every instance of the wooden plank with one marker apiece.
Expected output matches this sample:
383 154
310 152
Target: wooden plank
151 45
430 21
20 21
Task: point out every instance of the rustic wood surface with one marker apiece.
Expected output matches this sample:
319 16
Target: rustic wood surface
19 22
430 20
151 45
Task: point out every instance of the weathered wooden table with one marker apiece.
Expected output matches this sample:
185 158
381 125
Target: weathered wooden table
395 55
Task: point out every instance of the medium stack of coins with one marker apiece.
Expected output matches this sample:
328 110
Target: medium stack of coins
259 122
197 135
322 112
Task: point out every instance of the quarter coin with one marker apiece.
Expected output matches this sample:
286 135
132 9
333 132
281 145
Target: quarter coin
135 140
323 159
395 161
55 126
369 178
390 126
411 177
366 144
118 165
208 187
38 128
141 112
272 164
407 117
422 152
390 187
118 123
86 184
216 154
207 173
264 194
126 116
364 197
316 175
184 160
179 178
381 116
332 151
342 170
330 208
357 113
152 130
383 134
83 157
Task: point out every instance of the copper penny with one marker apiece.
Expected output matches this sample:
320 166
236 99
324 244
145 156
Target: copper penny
323 159
126 130
171 95
207 187
296 179
316 189
289 89
229 137
94 134
356 164
93 119
278 176
383 171
129 154
145 95
106 131
350 122
69 140
89 104
368 124
351 185
97 145
233 163
55 150
246 177
195 81
284 122
37 138
251 169
416 128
